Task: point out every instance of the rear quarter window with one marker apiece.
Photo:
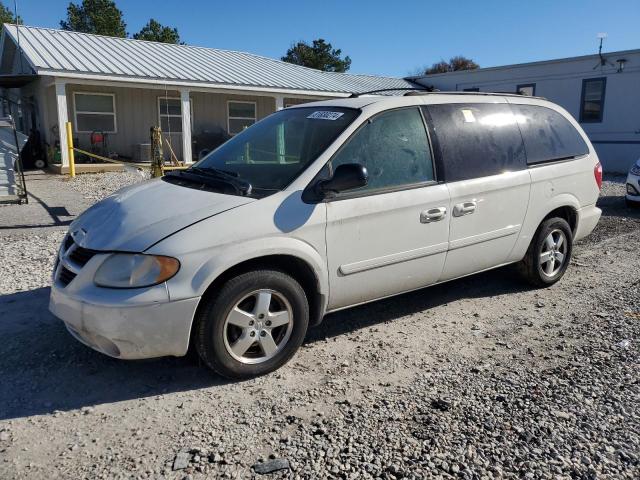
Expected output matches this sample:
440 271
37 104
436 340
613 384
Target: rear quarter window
476 139
547 134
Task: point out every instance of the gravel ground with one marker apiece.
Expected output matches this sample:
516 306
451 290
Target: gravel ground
97 186
28 259
477 378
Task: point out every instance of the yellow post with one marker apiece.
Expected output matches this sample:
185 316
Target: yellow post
72 162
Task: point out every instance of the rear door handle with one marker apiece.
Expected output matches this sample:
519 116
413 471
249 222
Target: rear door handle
464 208
433 215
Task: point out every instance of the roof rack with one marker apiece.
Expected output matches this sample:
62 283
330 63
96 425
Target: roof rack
410 92
357 94
489 94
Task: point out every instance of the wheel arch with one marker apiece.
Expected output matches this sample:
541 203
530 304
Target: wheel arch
300 269
565 206
566 212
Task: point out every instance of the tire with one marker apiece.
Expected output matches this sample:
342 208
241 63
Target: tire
546 274
236 318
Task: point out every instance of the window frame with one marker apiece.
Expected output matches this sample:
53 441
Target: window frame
160 114
602 99
87 112
523 85
379 191
229 117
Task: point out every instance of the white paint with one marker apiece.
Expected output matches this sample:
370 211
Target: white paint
186 125
109 80
63 118
359 249
279 102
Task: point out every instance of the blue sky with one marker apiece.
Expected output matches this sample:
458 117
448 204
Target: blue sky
386 37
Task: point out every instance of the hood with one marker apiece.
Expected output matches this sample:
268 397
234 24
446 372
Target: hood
136 217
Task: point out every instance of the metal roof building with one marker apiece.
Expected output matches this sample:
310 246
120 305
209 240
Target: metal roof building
61 53
122 86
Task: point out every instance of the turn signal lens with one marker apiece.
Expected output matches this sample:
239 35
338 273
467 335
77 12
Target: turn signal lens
127 270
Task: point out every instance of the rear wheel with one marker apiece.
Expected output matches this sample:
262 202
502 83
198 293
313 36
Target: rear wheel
254 325
548 254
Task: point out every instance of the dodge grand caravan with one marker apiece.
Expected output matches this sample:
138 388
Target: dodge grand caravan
321 207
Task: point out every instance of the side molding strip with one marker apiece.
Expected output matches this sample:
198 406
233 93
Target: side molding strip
357 267
484 237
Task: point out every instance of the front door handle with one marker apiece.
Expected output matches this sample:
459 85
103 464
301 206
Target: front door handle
433 215
464 208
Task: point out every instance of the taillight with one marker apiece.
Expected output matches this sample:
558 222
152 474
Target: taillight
597 172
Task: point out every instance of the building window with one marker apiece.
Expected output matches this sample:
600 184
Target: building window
240 115
592 103
170 113
95 112
528 89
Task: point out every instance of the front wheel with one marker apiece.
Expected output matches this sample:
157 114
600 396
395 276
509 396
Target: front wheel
253 326
548 254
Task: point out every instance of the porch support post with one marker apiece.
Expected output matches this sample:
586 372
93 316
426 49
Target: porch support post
186 125
279 102
63 118
280 145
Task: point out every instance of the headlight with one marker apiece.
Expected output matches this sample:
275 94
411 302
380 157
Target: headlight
635 170
128 270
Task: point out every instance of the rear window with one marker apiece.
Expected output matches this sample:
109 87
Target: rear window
476 139
547 135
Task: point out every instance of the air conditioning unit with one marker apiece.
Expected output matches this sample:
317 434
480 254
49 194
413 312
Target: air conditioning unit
142 152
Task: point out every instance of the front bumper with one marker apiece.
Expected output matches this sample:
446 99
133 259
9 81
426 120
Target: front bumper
127 330
633 188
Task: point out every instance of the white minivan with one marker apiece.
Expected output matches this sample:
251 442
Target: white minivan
321 207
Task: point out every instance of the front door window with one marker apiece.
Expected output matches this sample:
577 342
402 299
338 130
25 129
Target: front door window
394 148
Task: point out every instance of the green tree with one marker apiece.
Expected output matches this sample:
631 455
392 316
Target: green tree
454 64
6 16
95 16
156 32
321 56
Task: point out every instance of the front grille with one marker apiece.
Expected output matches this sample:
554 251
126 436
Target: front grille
65 276
71 259
68 241
81 255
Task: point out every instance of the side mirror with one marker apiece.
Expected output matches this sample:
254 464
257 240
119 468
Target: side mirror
346 177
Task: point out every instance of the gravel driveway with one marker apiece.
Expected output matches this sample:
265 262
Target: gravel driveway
477 378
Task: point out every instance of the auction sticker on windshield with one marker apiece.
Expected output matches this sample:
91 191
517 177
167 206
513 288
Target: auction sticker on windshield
326 115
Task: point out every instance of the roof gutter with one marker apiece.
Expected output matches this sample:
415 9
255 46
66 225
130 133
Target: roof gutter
137 82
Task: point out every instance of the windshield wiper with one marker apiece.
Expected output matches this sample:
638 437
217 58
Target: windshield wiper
243 187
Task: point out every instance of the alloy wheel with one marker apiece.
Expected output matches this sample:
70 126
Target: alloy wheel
554 253
258 326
